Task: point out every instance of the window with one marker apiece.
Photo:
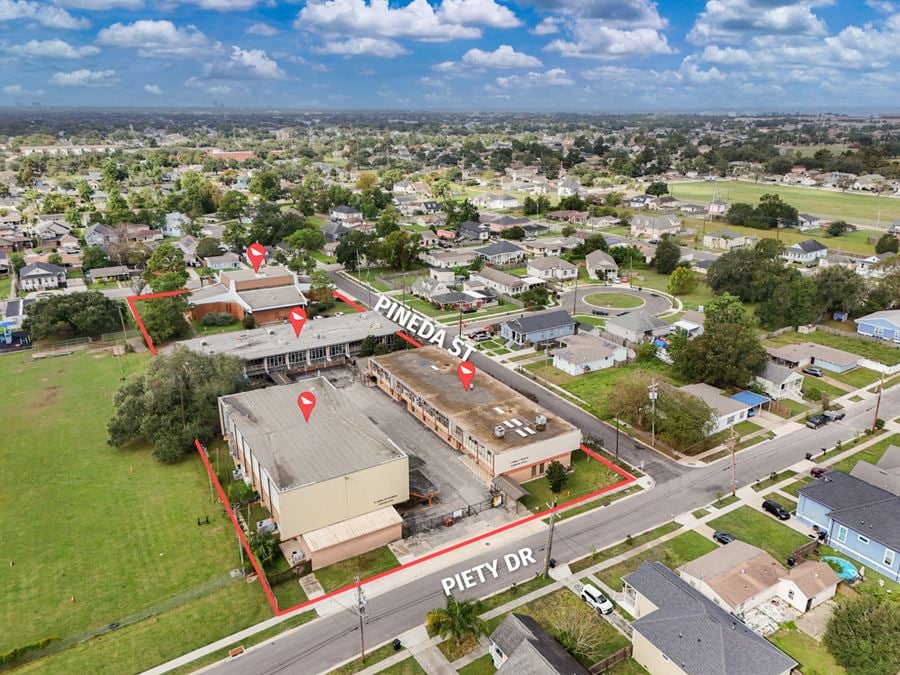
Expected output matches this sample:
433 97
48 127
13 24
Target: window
791 594
888 557
862 539
534 471
842 533
541 469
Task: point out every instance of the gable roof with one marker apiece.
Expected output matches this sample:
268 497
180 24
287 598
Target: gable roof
498 248
550 262
637 322
809 246
531 650
695 634
40 269
536 322
890 315
600 259
776 374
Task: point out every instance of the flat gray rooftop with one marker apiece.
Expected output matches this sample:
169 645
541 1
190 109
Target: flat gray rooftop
337 441
259 343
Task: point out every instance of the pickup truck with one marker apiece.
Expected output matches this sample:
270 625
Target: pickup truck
834 415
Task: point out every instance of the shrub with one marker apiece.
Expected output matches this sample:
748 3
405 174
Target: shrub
248 322
217 319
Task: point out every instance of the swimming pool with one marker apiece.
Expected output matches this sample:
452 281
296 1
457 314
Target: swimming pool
848 571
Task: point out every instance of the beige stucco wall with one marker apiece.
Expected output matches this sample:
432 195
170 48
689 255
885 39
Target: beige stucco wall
313 506
358 546
650 657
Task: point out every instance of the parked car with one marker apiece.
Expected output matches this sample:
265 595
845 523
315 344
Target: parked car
599 312
469 310
834 415
595 599
816 421
339 314
812 370
776 509
723 537
818 471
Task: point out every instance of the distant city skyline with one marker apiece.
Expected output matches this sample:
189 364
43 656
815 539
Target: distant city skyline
532 55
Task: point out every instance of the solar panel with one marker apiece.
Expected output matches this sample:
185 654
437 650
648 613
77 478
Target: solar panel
521 433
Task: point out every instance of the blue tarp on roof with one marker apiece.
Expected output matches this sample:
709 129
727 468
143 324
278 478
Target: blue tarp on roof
751 399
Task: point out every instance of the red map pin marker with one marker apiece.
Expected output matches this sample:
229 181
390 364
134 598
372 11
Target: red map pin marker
297 317
306 401
466 372
257 253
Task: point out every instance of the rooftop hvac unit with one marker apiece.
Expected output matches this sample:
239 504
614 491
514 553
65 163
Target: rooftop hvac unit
540 422
271 331
499 431
203 343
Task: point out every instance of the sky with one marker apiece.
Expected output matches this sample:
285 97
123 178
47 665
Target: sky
528 55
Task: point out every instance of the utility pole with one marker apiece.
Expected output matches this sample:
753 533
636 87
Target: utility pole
575 296
617 438
552 505
653 387
731 446
878 402
361 610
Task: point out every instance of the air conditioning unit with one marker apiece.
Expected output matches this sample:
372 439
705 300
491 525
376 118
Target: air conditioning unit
271 332
540 422
499 431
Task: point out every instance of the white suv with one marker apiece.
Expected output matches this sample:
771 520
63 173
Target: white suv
594 598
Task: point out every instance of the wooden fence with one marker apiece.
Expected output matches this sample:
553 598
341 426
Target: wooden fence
611 660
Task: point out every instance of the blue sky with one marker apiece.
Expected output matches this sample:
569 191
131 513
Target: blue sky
541 55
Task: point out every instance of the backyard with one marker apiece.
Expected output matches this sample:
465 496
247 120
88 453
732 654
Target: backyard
588 475
677 551
595 388
857 208
118 530
875 351
762 530
812 656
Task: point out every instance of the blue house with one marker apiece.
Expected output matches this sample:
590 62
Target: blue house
884 325
861 520
538 327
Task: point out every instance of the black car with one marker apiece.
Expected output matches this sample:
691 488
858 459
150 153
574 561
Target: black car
723 537
600 312
776 509
816 421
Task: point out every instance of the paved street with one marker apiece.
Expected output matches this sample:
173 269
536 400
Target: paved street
328 641
654 303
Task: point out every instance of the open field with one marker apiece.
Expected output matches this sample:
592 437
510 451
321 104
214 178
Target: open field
594 388
853 207
762 530
883 353
588 476
109 534
647 278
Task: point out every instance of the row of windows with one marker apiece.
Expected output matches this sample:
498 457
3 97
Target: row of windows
842 532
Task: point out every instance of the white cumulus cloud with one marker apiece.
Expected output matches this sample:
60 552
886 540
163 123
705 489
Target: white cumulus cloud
50 49
155 38
364 46
555 77
45 15
101 5
502 57
548 26
736 20
84 78
596 41
263 29
478 13
244 64
154 89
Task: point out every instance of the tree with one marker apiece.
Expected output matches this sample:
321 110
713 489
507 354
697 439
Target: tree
174 401
352 247
233 204
266 185
306 240
772 212
93 257
739 213
55 259
265 547
535 298
459 619
388 221
725 355
399 250
207 247
556 476
321 289
682 281
164 317
793 302
724 309
837 228
235 236
516 233
863 635
668 253
682 419
839 290
16 261
165 269
459 212
887 243
657 189
75 314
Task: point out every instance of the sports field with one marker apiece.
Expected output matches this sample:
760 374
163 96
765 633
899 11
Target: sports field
850 206
94 535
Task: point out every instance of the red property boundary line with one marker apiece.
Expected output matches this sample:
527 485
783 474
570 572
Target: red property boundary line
627 479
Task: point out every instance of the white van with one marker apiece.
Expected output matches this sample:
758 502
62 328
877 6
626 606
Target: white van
594 598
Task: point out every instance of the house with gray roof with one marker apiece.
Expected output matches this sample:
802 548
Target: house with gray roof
500 253
637 327
780 382
805 252
41 276
534 328
678 630
600 265
520 645
861 519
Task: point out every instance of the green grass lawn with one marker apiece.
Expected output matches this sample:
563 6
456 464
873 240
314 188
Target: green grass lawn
372 657
871 454
5 284
424 307
113 529
201 330
855 207
794 488
811 384
627 667
517 591
677 551
875 351
588 475
597 387
588 319
483 665
724 501
363 566
789 504
406 667
812 656
746 427
760 529
548 610
623 546
452 651
544 369
858 378
597 502
770 481
700 513
323 258
795 407
614 300
647 278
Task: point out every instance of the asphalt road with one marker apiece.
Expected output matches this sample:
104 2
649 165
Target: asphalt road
322 644
654 303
